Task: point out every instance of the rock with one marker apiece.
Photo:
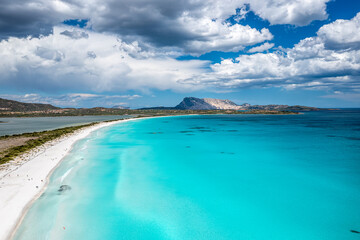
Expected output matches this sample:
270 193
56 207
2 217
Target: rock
192 103
64 188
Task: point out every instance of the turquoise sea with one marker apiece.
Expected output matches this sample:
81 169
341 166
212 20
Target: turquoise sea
250 177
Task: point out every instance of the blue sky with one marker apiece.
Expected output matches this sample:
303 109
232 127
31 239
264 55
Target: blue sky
153 53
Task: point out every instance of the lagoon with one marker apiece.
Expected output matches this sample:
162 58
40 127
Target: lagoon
16 125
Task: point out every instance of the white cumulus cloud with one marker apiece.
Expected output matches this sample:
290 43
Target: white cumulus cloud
215 35
192 25
295 12
84 60
262 48
341 34
101 62
310 64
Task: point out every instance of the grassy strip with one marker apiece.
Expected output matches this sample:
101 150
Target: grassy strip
41 138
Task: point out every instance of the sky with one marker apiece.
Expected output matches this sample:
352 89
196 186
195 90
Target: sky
143 53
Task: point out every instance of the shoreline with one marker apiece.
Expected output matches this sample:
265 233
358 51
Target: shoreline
21 185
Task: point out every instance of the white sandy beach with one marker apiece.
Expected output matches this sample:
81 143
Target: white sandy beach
23 181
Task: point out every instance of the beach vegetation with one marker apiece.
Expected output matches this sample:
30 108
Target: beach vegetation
36 139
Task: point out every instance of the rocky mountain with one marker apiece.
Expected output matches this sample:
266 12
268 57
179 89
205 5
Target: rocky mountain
192 103
222 104
120 107
15 106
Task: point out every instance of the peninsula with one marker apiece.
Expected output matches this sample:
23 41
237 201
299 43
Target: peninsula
189 105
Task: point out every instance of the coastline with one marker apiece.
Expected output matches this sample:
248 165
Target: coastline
22 184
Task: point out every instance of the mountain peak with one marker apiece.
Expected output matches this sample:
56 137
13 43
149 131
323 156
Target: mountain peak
193 103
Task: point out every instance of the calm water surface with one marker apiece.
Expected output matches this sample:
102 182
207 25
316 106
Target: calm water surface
10 126
249 177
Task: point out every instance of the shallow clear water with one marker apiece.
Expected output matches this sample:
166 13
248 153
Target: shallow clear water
208 177
10 126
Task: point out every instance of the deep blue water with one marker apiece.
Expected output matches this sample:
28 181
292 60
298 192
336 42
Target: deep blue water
251 177
16 125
